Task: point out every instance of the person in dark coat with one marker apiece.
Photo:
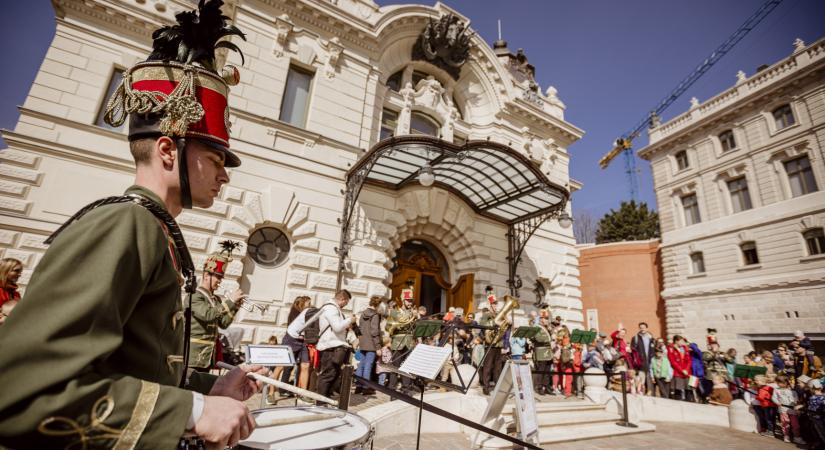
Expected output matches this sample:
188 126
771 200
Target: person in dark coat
369 342
643 344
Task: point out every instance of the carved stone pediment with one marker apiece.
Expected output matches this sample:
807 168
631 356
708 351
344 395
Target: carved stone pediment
444 43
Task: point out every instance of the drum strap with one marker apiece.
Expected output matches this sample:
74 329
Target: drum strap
440 412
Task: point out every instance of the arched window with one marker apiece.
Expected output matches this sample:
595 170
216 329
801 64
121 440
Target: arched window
783 117
815 240
394 81
423 124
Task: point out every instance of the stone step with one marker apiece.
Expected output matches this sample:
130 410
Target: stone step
560 408
589 431
555 420
574 433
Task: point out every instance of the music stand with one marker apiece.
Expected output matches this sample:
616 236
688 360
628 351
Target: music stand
582 337
743 371
270 356
526 332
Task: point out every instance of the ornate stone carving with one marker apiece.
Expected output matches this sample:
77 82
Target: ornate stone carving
334 51
445 44
283 26
798 45
520 68
741 77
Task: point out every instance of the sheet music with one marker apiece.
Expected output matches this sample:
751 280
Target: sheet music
426 360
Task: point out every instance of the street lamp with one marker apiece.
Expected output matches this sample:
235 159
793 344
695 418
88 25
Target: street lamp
564 220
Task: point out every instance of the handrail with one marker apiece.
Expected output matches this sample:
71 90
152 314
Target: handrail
625 422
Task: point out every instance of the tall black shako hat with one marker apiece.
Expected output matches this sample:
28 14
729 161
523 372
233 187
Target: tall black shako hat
178 91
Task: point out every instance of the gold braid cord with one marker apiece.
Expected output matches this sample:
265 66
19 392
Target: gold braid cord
97 434
180 107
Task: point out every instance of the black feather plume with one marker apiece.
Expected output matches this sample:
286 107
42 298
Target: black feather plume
195 37
228 246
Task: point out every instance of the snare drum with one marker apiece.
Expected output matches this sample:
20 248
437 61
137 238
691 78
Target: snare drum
349 432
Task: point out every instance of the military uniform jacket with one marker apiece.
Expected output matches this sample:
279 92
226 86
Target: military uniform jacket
402 340
91 357
542 350
208 313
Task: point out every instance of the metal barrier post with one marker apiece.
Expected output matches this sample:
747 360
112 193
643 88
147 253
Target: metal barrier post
625 422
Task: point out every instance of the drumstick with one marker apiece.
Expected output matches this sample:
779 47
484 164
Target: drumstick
282 385
298 419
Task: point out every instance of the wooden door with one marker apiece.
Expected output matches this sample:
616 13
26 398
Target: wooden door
461 294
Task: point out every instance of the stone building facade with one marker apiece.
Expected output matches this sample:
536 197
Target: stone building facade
621 284
740 184
322 82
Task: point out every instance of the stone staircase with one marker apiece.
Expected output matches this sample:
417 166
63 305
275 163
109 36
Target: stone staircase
570 420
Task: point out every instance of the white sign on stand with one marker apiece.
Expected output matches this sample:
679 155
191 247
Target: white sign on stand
516 380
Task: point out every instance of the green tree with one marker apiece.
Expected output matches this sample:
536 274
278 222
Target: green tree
631 222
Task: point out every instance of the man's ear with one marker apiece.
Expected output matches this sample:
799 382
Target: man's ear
167 151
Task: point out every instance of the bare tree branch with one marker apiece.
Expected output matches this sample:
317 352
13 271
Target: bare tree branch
584 227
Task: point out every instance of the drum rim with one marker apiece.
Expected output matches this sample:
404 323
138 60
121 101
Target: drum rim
365 439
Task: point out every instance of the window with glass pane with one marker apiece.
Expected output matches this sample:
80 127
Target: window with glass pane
740 198
815 240
783 117
422 124
389 122
691 207
295 104
697 262
394 81
114 82
749 253
682 160
418 76
727 140
800 176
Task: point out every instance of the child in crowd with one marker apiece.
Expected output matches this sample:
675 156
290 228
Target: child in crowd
763 406
384 356
786 399
478 352
720 395
816 408
662 372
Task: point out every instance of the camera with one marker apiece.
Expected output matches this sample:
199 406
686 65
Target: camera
356 329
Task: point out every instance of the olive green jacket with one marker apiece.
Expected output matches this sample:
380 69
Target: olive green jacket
91 356
542 350
208 313
488 320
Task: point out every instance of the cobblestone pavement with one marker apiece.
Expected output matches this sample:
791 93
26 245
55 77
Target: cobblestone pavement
668 435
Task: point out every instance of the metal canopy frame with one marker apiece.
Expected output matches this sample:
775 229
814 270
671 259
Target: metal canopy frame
495 180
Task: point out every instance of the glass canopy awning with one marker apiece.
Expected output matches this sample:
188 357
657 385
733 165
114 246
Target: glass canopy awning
495 180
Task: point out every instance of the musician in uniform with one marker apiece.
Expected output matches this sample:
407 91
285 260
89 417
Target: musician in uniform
400 328
210 310
104 366
542 356
493 361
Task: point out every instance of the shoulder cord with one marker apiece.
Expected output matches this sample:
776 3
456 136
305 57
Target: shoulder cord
187 266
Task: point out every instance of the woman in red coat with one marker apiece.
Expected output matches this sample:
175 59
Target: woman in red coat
619 342
679 356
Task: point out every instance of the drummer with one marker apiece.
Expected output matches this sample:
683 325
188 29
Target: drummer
94 355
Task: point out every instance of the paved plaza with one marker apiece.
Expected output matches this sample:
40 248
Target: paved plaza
668 435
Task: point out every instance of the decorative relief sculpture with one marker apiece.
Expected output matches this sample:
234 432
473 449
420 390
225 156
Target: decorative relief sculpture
445 44
283 26
334 51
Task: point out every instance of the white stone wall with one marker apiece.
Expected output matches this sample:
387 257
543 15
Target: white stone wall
787 278
58 160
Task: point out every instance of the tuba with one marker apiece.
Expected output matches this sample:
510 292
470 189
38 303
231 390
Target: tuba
400 321
494 336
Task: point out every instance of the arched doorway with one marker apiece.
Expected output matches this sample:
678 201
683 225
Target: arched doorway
420 265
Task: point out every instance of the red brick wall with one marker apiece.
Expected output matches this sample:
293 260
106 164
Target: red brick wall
623 281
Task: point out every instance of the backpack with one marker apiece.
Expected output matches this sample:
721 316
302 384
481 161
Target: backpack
312 332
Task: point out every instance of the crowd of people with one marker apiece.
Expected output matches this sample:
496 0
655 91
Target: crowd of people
789 392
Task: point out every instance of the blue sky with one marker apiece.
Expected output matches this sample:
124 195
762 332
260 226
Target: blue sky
611 61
